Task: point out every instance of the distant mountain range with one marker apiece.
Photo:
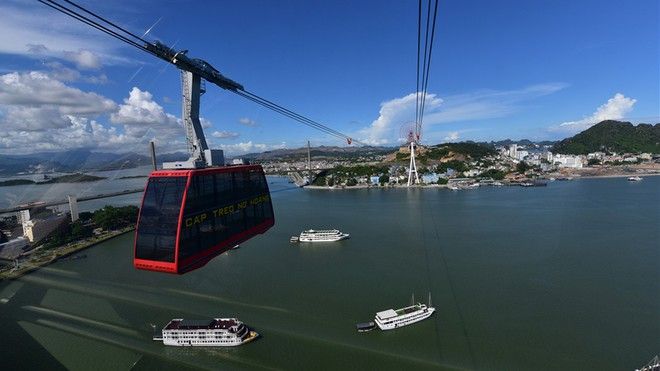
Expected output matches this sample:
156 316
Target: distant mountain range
612 136
318 152
521 142
77 160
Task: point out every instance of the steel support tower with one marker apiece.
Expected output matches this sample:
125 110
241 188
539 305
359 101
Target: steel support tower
413 166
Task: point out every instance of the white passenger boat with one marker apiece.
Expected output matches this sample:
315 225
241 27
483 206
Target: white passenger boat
391 319
217 332
331 235
635 178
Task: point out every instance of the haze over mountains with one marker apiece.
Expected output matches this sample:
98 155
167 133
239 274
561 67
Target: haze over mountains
609 135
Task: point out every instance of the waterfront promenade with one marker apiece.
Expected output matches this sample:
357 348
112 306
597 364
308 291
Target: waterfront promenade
41 257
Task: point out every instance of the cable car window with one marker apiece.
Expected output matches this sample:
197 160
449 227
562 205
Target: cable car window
159 219
221 206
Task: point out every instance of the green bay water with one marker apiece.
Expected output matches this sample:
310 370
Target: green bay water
555 278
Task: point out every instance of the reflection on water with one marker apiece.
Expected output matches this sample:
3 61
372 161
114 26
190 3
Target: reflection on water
559 277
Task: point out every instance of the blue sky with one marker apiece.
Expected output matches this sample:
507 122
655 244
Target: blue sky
500 69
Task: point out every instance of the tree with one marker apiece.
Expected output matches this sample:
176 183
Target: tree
593 161
442 181
384 179
320 181
80 231
330 182
86 215
493 173
521 167
110 217
351 182
3 238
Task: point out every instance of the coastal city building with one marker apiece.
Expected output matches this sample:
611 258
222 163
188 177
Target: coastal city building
73 208
13 248
567 161
37 229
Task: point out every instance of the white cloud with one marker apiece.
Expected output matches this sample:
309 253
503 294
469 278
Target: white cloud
394 113
476 105
247 121
39 113
205 123
615 108
84 59
60 72
487 104
38 89
140 114
452 136
34 101
36 31
225 134
249 147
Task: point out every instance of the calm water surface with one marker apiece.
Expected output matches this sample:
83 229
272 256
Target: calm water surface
555 278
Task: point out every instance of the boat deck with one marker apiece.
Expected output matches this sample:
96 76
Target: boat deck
408 310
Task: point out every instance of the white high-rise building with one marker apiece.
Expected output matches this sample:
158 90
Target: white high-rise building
520 155
513 151
23 219
73 207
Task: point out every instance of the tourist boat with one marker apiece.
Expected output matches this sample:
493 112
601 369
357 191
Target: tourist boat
216 332
391 319
330 235
653 365
365 326
635 179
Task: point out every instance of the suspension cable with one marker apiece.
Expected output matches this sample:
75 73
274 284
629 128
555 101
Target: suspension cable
428 66
107 28
73 14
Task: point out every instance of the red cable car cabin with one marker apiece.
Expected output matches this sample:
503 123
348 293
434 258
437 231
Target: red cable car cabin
190 216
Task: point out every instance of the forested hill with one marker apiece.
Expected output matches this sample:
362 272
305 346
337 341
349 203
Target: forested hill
612 136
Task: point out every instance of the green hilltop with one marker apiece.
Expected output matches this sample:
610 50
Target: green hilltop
612 136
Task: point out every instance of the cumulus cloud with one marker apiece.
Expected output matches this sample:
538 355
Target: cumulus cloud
140 113
452 136
615 108
35 101
249 147
247 121
39 89
60 72
477 105
394 113
84 59
225 134
39 113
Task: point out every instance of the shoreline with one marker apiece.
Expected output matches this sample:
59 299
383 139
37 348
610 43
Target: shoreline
342 188
573 176
615 175
29 266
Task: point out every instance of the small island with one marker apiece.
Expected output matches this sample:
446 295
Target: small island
69 178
